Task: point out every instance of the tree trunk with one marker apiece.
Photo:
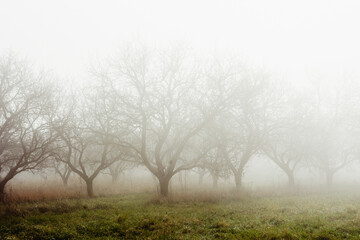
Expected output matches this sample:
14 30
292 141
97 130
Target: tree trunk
329 178
289 172
3 182
291 178
89 187
2 191
238 180
164 186
215 181
65 182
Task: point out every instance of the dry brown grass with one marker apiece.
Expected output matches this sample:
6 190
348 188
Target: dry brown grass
40 190
31 194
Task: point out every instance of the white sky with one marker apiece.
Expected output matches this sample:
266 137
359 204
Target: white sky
287 36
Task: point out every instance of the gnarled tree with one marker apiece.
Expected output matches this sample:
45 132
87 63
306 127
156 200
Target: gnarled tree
164 101
26 139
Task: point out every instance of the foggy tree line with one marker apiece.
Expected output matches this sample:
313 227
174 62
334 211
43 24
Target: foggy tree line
171 110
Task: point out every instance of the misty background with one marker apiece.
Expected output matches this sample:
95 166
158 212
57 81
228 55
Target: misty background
307 49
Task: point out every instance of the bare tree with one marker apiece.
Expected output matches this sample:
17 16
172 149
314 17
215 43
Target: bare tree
163 100
86 155
26 139
330 139
331 149
86 148
63 170
119 167
215 163
284 141
242 124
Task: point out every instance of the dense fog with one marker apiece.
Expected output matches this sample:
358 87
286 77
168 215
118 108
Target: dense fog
162 97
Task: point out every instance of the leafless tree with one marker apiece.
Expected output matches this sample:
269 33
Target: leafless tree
330 139
63 170
86 147
120 166
215 163
85 154
164 101
26 139
284 138
242 124
330 147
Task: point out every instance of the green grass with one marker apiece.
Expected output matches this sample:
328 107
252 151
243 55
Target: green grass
140 216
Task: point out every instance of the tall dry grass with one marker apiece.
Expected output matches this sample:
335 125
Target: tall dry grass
52 189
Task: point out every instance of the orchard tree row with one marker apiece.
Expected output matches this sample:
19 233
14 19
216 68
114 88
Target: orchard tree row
171 110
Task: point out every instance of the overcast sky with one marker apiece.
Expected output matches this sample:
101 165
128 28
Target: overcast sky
286 36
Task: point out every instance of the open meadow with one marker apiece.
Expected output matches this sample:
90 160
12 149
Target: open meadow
204 215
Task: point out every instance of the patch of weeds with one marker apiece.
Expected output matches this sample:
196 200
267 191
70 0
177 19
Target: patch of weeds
122 218
186 229
102 206
323 236
279 236
99 229
62 207
84 215
40 232
148 224
221 224
13 210
276 221
351 210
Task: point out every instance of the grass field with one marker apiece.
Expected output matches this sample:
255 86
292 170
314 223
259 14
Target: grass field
203 216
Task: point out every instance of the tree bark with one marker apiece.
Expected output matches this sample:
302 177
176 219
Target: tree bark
238 180
65 182
89 187
164 186
2 191
3 182
291 178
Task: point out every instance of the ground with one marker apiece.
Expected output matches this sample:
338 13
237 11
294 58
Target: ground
144 216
